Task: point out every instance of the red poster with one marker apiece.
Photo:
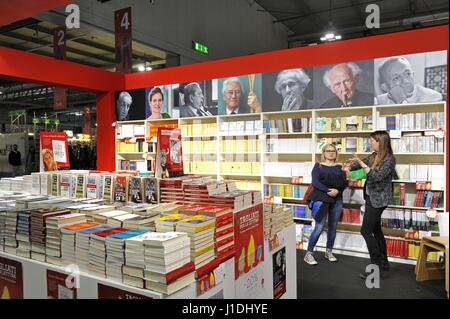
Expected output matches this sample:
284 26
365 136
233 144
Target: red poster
107 292
59 52
249 239
54 151
169 153
11 279
57 286
124 50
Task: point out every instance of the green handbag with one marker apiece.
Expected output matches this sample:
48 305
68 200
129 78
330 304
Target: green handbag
358 174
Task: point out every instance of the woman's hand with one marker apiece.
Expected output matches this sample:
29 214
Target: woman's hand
333 192
355 158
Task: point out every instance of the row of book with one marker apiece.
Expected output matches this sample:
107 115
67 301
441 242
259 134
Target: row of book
130 131
289 169
276 218
17 184
248 185
285 190
300 211
420 172
411 121
199 146
131 147
289 145
407 249
241 145
418 143
289 125
429 199
402 218
345 144
199 167
344 124
240 167
241 127
198 129
139 166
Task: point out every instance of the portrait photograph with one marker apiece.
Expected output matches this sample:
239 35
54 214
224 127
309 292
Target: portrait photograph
344 84
130 105
288 90
240 94
157 101
197 98
413 78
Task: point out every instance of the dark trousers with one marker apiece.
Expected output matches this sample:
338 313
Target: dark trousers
373 234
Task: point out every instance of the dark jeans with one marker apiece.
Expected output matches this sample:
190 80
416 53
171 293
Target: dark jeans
373 234
333 218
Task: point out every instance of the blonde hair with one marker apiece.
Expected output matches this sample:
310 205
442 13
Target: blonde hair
53 165
322 157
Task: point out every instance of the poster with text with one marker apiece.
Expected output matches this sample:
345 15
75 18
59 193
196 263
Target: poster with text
54 151
57 286
11 279
249 239
279 273
251 285
169 153
107 292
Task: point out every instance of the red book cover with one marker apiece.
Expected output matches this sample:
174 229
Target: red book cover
226 254
169 153
225 231
402 193
224 220
109 232
180 272
225 241
206 269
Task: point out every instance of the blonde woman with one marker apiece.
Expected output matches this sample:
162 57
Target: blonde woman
329 181
49 160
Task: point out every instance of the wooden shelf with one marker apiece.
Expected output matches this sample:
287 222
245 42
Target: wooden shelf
199 136
290 134
413 207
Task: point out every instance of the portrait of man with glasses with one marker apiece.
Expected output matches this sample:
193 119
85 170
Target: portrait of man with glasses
235 102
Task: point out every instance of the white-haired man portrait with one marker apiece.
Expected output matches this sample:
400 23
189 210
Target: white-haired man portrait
123 106
342 80
396 79
232 91
291 85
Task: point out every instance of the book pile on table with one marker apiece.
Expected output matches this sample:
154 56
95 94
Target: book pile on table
273 220
198 191
168 223
102 218
142 222
38 231
115 252
97 250
93 211
237 199
168 265
53 234
82 245
133 270
68 241
117 221
171 190
24 202
201 231
287 217
23 234
10 232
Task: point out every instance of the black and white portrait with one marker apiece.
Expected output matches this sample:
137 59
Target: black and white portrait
288 90
413 78
195 99
344 85
130 105
175 150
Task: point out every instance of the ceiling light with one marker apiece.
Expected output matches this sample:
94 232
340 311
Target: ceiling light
141 68
149 68
338 37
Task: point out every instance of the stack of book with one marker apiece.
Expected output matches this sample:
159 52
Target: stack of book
133 270
2 229
68 241
118 221
166 253
10 232
201 231
38 231
142 222
237 199
168 223
199 190
102 218
53 234
137 208
115 252
97 250
171 190
23 234
24 202
273 220
82 243
92 211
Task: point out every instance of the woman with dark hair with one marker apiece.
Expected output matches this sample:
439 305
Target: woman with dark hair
156 102
380 170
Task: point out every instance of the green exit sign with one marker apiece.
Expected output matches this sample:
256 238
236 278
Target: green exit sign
200 47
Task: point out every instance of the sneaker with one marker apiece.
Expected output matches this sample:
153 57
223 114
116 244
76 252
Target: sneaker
329 255
309 259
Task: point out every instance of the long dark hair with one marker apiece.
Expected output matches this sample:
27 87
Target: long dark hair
384 149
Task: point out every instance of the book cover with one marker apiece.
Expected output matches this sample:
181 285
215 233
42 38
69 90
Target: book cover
121 188
151 190
135 188
169 153
108 188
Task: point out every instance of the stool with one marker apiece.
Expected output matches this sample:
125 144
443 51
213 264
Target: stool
432 271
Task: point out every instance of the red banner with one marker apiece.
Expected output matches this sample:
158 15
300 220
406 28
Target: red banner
54 151
87 120
249 239
57 287
124 39
11 279
59 52
107 292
